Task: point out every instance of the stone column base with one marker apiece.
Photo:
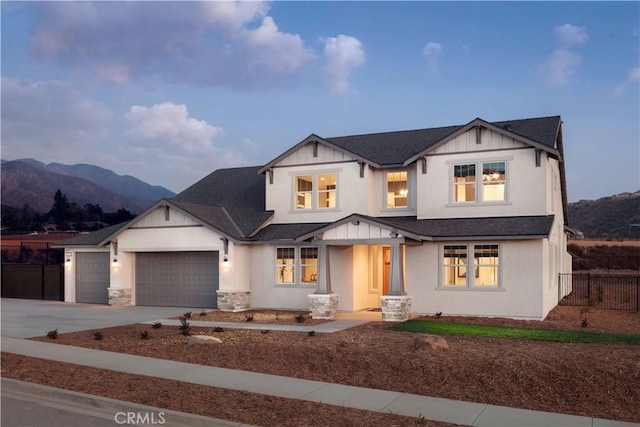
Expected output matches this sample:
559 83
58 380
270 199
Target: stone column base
323 306
396 308
233 300
119 296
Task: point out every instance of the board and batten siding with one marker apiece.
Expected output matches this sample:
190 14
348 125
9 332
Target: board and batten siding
350 231
490 140
304 156
158 218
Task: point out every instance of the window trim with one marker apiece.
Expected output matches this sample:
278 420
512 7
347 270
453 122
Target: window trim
315 191
297 267
410 188
478 183
470 282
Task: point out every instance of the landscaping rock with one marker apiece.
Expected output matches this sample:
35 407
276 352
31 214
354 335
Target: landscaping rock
433 342
203 339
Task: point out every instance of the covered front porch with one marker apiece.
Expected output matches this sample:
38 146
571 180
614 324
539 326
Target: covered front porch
360 266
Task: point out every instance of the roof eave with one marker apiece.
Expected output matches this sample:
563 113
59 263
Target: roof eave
480 122
314 138
361 218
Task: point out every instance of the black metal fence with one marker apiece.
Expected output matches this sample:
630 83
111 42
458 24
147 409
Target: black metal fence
31 253
32 281
608 291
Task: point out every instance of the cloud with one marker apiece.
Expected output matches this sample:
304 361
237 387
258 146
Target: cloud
275 50
213 43
633 77
49 118
568 35
171 146
342 54
167 128
432 51
561 66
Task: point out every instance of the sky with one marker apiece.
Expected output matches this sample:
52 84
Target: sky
169 92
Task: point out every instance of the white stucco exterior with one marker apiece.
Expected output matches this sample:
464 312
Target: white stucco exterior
358 246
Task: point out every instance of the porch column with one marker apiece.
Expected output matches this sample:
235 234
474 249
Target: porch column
396 273
324 278
396 304
323 303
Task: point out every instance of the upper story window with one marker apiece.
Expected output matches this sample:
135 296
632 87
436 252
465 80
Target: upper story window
491 183
315 191
397 190
482 271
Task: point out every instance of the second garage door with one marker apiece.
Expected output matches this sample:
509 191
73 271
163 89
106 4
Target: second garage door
177 279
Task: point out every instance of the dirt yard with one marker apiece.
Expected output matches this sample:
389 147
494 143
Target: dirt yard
599 380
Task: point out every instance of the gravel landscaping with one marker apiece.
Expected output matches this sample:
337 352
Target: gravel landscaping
599 380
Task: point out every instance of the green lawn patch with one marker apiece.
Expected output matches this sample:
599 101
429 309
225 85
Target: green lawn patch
439 327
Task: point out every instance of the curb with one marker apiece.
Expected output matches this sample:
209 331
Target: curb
106 408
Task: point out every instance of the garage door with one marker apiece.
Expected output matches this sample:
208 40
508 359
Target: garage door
92 278
177 279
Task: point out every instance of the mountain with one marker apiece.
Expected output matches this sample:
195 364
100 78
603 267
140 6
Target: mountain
611 216
34 183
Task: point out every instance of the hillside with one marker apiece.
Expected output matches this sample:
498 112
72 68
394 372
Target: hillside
32 182
608 216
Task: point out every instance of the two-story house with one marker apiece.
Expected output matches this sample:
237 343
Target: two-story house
463 220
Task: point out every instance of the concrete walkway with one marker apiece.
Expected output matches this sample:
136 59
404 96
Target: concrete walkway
437 409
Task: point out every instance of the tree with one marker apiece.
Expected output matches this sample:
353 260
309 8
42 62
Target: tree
60 207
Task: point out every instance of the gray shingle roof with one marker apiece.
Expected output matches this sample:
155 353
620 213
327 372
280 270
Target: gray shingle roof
91 239
393 148
232 199
286 232
447 228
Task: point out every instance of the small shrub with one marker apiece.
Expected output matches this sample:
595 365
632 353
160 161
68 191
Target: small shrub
249 317
438 314
311 333
218 329
187 315
98 336
144 335
156 325
203 312
53 334
300 318
184 327
264 331
584 323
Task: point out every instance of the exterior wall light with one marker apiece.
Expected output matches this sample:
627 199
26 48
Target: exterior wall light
114 263
225 262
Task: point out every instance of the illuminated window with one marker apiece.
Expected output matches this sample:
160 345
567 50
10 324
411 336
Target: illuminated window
397 190
484 271
464 183
304 191
493 181
315 191
285 265
455 265
309 265
327 190
292 262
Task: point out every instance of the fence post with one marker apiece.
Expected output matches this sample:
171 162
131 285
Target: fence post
42 280
589 288
638 293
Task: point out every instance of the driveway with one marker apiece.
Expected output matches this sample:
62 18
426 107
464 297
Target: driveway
24 318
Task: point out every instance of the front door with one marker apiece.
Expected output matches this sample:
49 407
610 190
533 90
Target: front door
386 268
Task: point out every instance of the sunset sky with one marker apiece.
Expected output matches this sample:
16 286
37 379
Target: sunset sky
168 92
